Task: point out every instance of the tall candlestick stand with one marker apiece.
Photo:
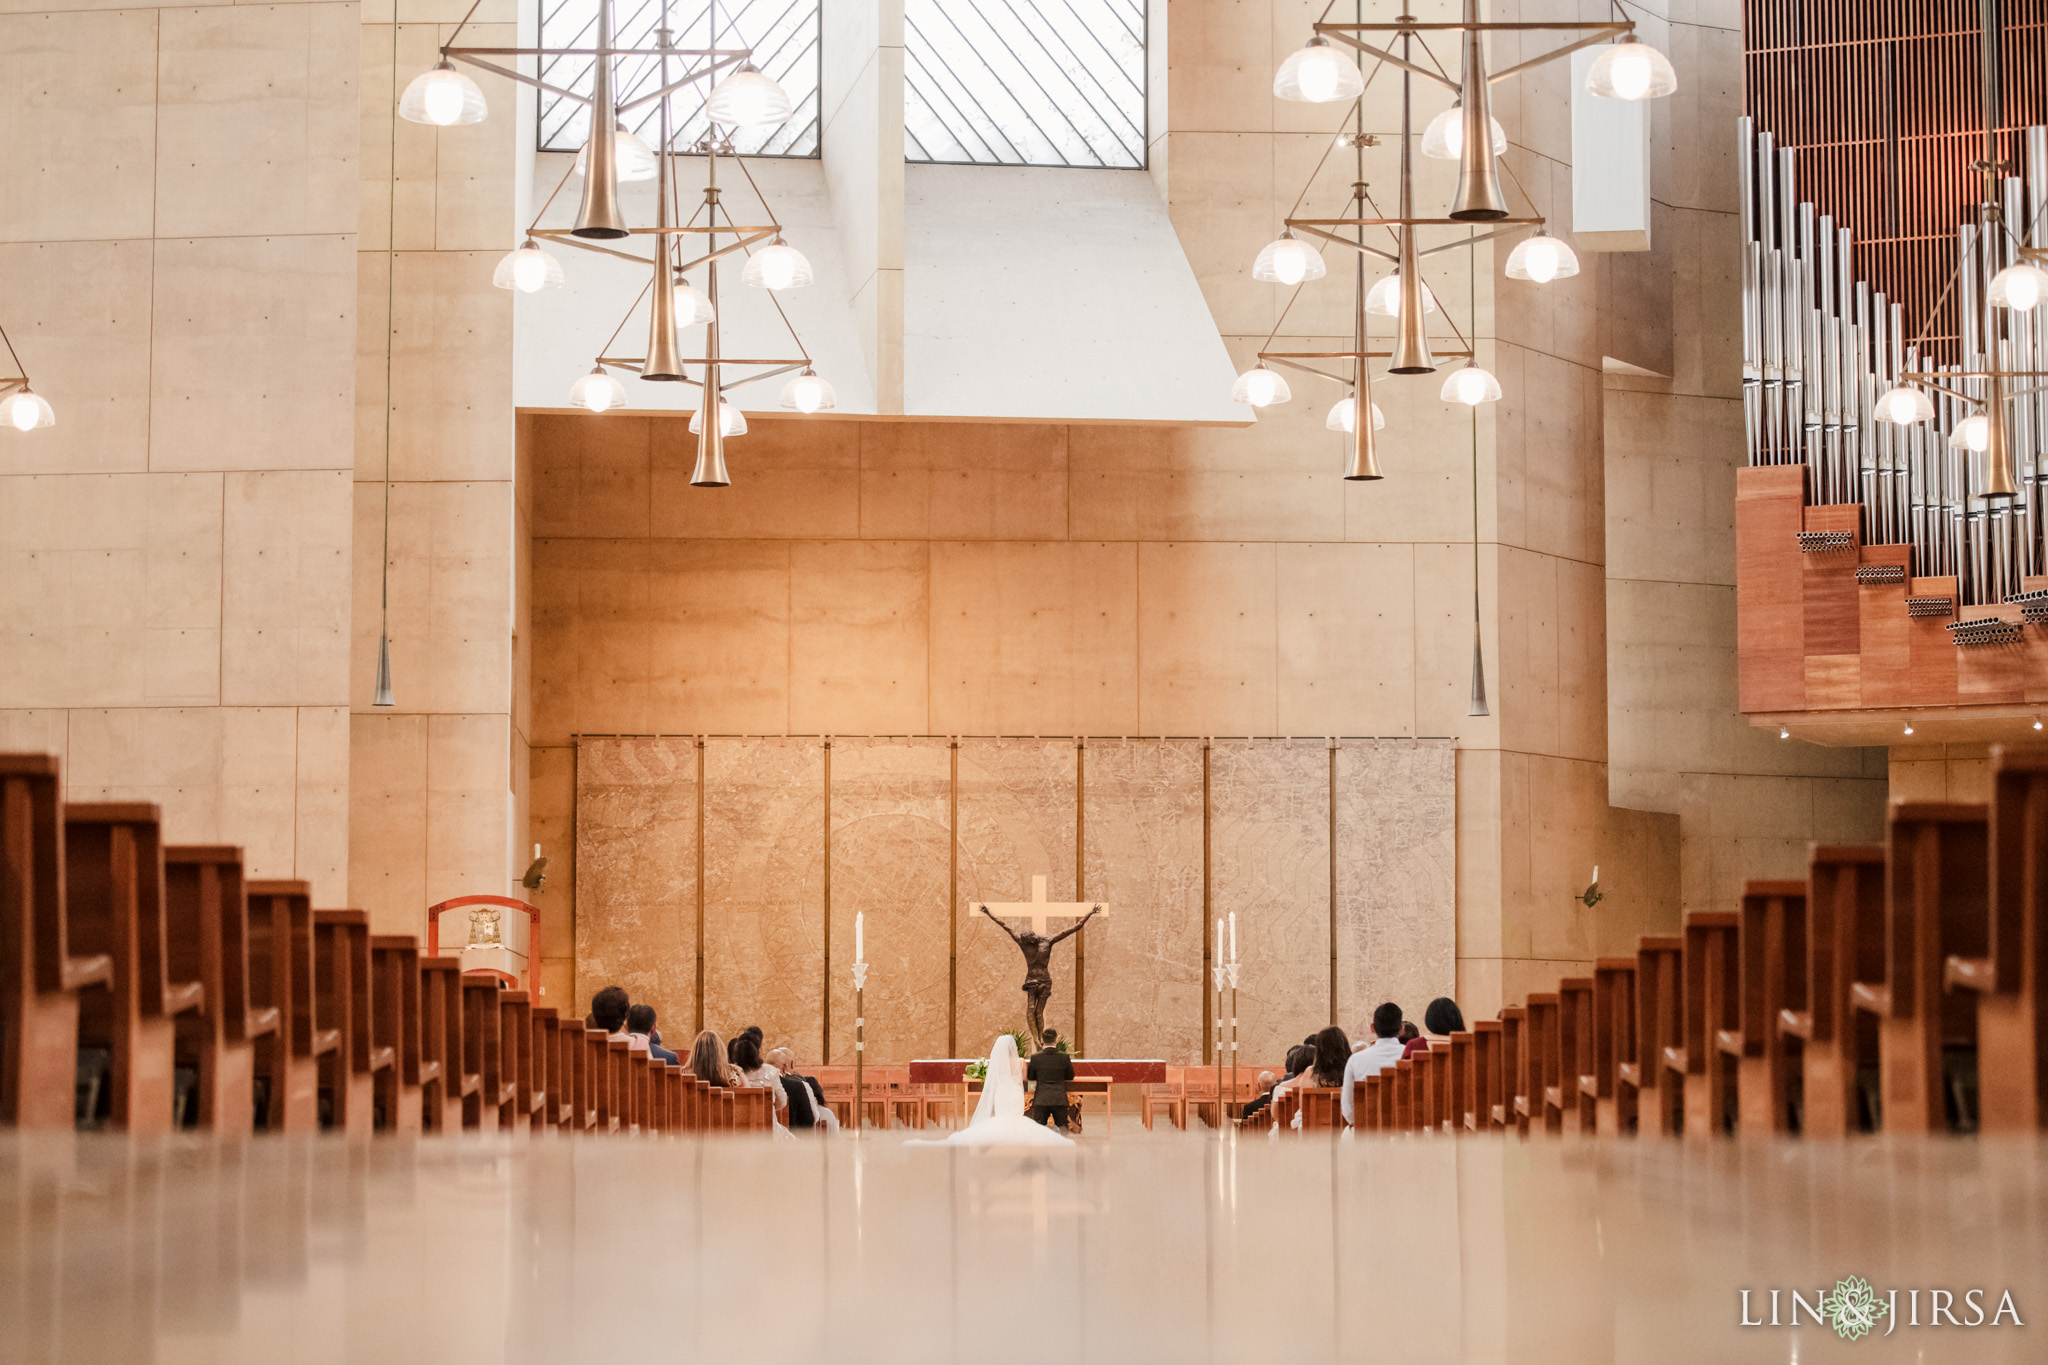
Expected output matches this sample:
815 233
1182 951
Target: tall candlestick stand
860 1046
1231 971
1222 1104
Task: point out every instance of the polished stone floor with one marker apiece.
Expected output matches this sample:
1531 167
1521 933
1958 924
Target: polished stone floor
1161 1247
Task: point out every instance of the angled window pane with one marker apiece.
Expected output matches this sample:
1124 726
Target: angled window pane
783 33
1024 82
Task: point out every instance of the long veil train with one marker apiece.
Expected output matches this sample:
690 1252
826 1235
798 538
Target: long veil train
999 1117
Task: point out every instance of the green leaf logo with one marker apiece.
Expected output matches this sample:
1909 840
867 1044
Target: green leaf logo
1853 1309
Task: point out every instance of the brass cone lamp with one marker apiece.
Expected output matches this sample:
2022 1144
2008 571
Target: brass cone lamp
1364 465
1478 705
710 470
383 695
664 358
1479 196
1411 333
598 214
1998 479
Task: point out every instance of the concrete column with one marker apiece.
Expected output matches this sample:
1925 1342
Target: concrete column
863 156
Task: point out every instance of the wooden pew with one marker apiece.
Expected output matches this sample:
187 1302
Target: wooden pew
1485 1080
114 892
515 1052
482 1054
751 1110
1659 984
1845 944
1614 1039
1573 1057
1320 1110
1772 973
1428 1079
206 916
41 972
2011 979
341 1003
1708 1004
447 1093
396 1023
1937 906
548 1077
1539 1056
281 1004
1505 1115
1458 1083
619 1084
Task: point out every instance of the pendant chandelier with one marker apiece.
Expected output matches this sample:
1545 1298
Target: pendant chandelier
1319 73
742 98
21 407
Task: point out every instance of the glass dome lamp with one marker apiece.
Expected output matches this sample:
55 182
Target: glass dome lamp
1973 434
806 392
597 391
634 158
1260 387
528 270
1631 71
2019 286
1905 406
1344 412
1318 74
1287 260
693 309
1444 139
731 421
26 410
777 266
443 97
1384 298
1471 386
1540 258
748 99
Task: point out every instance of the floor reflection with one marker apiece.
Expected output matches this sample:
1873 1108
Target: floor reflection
1149 1248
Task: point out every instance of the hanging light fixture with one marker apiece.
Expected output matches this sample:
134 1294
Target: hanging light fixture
692 308
731 421
1471 386
1540 258
1288 260
598 391
597 213
528 270
1631 71
1318 74
748 99
2020 286
1973 434
1260 388
21 408
1384 298
633 158
443 97
807 393
1345 410
1905 405
1445 136
777 266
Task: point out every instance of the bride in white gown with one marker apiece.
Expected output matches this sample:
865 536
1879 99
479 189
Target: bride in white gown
999 1117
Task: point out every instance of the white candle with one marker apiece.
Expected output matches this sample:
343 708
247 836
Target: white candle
859 937
1233 936
536 852
1219 939
1596 874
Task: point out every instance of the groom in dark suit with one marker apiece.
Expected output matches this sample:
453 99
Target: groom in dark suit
1049 1070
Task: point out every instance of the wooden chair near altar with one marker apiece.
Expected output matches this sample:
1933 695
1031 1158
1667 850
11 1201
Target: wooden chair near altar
1169 1098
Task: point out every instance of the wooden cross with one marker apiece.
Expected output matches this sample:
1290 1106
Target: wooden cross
1038 909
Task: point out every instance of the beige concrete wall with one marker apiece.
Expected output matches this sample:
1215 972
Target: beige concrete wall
178 272
1748 804
436 777
1938 772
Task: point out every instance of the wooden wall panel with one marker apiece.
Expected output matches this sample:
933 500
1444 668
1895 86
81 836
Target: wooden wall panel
1769 596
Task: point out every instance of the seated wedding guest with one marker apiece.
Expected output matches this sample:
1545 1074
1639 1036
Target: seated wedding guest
802 1112
1333 1054
1385 1051
1300 1058
640 1030
757 1074
1265 1094
608 1009
1439 1022
708 1063
1409 1033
